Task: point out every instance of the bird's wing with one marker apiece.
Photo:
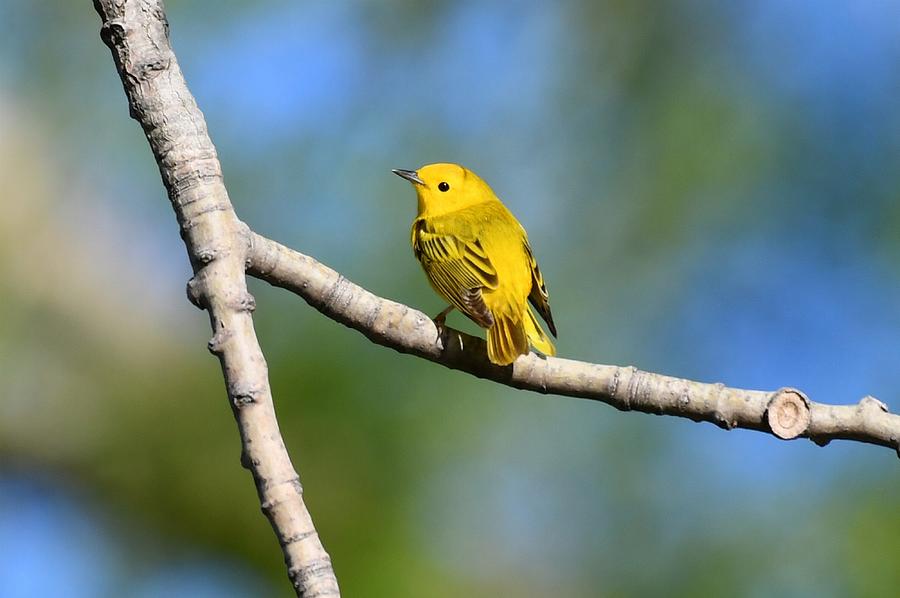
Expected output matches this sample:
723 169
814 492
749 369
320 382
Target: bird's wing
459 270
539 297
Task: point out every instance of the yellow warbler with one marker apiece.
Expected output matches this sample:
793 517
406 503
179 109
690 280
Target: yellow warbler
476 256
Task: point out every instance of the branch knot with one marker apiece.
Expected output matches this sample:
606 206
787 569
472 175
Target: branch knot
113 32
195 293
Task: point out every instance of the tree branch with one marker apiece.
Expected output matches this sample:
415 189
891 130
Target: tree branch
217 243
786 413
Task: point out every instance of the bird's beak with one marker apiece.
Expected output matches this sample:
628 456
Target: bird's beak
410 175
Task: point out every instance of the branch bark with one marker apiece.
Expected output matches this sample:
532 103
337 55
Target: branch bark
217 243
786 413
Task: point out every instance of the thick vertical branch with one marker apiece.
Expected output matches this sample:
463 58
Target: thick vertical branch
217 243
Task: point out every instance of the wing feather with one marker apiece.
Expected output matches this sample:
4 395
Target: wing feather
539 296
458 269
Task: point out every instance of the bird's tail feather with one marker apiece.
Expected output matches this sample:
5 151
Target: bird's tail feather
536 335
509 337
506 340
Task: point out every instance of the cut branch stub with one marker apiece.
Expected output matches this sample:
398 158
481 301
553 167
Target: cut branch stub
788 413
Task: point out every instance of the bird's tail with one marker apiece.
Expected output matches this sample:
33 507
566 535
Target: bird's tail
509 337
536 335
506 340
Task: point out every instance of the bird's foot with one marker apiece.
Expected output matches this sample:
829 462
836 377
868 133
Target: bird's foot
440 321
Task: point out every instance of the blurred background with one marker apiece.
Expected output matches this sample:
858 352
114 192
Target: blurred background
712 190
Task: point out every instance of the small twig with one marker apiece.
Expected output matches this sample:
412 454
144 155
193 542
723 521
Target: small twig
786 413
217 243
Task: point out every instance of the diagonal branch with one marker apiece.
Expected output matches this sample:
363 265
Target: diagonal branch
786 413
217 244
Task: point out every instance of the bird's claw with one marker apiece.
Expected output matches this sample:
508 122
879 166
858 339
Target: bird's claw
440 325
440 322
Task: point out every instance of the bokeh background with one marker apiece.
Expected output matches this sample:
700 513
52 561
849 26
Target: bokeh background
712 190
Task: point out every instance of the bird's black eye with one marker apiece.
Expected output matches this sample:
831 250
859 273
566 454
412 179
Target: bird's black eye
443 186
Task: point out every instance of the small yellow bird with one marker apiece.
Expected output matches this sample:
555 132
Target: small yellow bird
476 256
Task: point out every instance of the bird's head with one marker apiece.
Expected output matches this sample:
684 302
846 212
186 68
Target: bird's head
443 188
